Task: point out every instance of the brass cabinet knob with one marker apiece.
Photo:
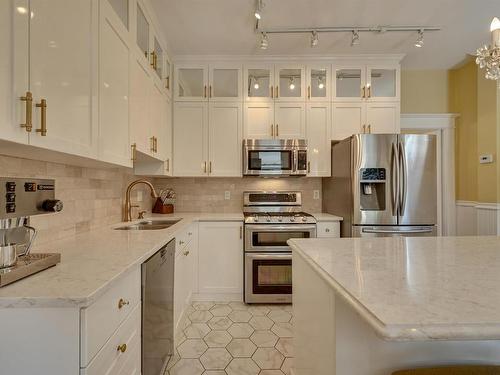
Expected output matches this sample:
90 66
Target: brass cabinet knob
122 303
327 230
181 242
186 253
122 348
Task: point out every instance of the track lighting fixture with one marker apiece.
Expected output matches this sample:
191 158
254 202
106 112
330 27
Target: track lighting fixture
292 84
355 38
321 85
314 39
264 41
258 9
420 39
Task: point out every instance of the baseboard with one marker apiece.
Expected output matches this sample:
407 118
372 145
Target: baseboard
223 297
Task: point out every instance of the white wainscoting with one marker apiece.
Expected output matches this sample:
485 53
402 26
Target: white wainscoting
478 219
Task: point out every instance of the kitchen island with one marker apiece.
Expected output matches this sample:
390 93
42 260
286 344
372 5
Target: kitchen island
374 305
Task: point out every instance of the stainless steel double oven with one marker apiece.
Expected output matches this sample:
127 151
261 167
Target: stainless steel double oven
271 219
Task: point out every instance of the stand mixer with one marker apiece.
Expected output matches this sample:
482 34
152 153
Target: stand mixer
21 198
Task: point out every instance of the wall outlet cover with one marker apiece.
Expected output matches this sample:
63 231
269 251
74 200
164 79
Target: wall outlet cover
227 195
315 194
486 159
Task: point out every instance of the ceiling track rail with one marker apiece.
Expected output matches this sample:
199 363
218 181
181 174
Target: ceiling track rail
344 29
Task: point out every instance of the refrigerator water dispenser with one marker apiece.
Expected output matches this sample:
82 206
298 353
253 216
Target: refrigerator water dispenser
372 189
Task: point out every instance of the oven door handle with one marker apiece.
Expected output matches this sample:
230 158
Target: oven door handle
269 256
279 227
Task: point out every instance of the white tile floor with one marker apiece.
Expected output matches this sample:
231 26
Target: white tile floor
235 339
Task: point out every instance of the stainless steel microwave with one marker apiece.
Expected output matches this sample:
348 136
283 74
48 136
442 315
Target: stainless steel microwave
275 157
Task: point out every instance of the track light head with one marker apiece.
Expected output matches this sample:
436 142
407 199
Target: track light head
321 84
292 84
258 9
255 83
355 38
419 43
264 41
314 39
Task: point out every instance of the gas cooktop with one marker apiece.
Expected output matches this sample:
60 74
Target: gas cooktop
279 218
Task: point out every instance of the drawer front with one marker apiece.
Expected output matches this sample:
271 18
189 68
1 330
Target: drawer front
127 360
184 238
101 319
328 229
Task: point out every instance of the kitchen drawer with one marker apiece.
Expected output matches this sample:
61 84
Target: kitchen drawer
110 360
102 318
328 229
184 238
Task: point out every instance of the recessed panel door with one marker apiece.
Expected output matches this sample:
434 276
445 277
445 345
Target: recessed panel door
290 120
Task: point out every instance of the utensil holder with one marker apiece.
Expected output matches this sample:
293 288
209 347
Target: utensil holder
160 208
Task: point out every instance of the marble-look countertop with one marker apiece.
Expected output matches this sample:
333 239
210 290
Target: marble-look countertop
92 262
323 217
427 288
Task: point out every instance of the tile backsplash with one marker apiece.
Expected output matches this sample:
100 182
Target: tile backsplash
92 197
208 194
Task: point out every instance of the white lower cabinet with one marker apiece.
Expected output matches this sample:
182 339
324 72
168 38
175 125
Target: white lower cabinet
328 229
220 258
318 130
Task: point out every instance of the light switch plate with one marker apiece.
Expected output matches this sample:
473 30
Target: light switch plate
227 195
486 159
315 194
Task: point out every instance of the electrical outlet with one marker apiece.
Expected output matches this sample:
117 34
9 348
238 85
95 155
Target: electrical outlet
139 196
227 195
486 159
315 194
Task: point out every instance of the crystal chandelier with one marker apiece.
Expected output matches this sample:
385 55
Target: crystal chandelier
489 56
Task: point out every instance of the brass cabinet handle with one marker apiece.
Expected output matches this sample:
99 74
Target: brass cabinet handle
277 92
277 130
28 98
156 144
190 233
369 91
154 60
309 92
364 129
186 253
181 242
210 167
205 167
205 91
122 302
210 92
133 148
369 129
327 230
168 165
122 348
241 232
167 82
272 92
152 144
363 90
43 112
272 130
308 167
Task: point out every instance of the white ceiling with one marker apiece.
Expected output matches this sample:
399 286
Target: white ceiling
225 27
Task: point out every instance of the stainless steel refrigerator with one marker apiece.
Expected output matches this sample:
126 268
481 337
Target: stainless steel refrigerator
383 185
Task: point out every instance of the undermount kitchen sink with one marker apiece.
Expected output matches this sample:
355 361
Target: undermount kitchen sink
149 225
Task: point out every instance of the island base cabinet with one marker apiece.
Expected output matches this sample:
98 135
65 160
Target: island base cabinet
331 338
220 261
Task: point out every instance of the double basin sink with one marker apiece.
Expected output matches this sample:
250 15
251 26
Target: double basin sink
149 225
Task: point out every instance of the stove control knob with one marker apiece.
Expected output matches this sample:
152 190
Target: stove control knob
292 218
268 219
280 218
256 218
52 205
304 219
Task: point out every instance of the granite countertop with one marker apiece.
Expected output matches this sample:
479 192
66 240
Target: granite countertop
92 262
427 288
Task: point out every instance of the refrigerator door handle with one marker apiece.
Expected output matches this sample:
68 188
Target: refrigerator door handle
404 179
394 179
395 231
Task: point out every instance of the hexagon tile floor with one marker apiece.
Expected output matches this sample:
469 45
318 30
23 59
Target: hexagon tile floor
235 339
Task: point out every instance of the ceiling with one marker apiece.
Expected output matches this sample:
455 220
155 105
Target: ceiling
226 27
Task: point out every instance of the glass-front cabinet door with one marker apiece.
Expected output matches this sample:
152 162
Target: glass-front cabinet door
156 58
191 83
318 83
142 32
258 83
225 83
382 83
349 83
290 83
121 9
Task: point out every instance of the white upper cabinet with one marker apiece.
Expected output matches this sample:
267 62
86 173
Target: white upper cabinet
382 118
225 82
224 138
140 116
142 34
349 83
259 120
14 40
318 83
289 120
190 139
258 83
383 83
348 119
114 138
319 124
191 83
290 83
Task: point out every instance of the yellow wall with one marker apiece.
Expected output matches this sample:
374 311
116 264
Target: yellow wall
424 91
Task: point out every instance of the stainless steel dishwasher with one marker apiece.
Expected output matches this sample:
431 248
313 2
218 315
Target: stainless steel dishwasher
158 310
